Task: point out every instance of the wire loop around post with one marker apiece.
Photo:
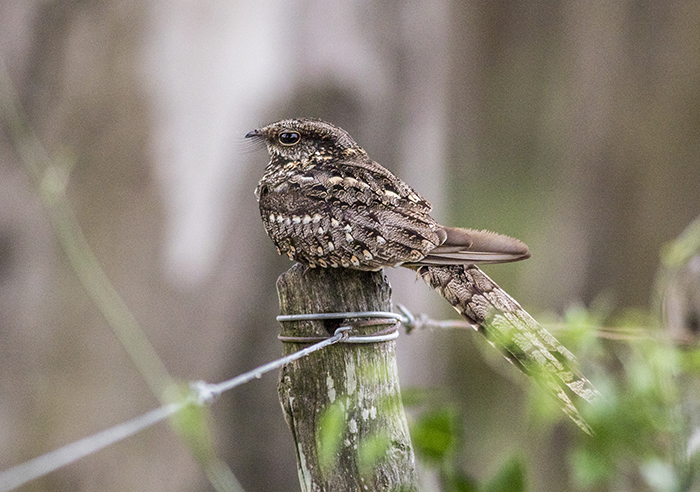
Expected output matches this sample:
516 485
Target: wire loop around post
382 336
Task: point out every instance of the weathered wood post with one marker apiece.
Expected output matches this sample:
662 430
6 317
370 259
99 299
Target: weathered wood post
343 403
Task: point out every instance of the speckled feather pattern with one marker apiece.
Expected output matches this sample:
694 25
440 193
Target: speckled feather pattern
333 207
326 204
509 328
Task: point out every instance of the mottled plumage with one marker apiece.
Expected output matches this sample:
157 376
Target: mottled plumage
326 204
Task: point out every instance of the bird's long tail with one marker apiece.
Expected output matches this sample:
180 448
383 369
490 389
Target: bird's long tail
509 328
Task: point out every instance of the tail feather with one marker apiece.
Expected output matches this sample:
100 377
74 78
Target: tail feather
509 328
466 246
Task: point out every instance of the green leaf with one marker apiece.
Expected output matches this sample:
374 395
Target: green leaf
372 450
192 424
458 481
510 478
329 434
591 468
435 434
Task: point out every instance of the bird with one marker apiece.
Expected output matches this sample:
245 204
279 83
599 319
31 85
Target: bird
326 204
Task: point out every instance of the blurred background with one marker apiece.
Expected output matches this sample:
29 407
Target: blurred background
574 126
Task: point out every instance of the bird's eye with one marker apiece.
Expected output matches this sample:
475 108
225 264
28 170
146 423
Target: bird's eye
288 138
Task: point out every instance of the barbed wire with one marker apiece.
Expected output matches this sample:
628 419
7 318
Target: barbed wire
201 393
52 461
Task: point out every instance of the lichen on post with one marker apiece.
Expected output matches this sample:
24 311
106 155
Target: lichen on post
343 403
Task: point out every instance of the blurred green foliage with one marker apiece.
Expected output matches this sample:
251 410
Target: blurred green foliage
644 424
329 437
438 438
435 434
639 429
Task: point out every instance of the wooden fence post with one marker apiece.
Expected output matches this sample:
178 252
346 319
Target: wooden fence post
343 403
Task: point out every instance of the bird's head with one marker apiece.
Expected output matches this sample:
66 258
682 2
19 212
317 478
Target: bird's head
304 138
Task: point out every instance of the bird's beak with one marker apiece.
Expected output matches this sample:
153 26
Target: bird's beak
254 133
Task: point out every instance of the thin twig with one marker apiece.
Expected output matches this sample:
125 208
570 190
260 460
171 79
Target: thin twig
51 178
